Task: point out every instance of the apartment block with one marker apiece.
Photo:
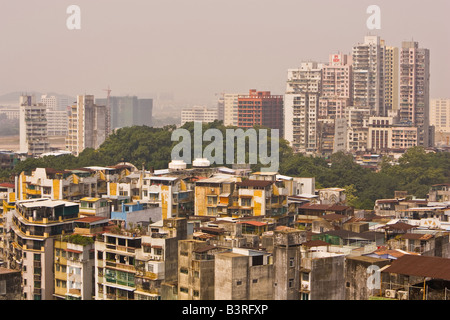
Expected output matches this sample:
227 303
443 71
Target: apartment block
74 265
88 125
261 108
132 265
36 224
33 126
230 105
127 111
337 84
368 75
198 113
10 284
215 196
301 106
243 274
59 184
440 119
321 272
415 89
170 193
391 78
286 259
196 263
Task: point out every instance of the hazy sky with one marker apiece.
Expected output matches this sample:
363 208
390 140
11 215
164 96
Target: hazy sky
196 48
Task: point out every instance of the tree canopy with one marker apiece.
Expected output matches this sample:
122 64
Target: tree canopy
151 147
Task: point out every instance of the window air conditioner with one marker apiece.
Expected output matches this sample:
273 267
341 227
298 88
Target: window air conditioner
390 294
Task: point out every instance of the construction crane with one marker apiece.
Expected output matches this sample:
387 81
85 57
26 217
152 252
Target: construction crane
108 111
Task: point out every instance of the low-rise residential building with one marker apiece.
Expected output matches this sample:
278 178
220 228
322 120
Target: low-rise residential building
358 272
10 284
196 263
416 277
321 272
243 274
136 214
216 196
90 206
286 259
74 265
170 193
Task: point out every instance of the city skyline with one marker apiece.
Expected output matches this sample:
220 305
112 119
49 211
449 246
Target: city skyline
198 49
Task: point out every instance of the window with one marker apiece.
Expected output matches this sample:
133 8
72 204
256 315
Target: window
184 270
3 287
305 276
246 202
212 200
239 282
291 283
184 290
291 262
255 280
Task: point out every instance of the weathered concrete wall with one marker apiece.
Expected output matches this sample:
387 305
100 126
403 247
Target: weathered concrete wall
230 276
327 278
356 276
11 281
261 282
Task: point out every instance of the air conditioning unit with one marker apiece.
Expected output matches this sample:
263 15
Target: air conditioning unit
390 294
403 295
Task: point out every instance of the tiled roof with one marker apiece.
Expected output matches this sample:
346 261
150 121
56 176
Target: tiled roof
417 236
254 223
421 266
7 185
399 226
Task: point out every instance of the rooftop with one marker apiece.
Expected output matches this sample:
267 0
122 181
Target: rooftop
421 266
254 183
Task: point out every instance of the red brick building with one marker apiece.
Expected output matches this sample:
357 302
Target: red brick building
260 108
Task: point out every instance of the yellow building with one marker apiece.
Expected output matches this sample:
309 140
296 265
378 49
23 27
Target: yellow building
216 196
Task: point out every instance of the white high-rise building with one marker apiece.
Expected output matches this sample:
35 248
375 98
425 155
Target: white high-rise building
57 120
51 102
440 114
198 113
301 105
368 75
32 126
391 78
230 103
440 119
87 125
